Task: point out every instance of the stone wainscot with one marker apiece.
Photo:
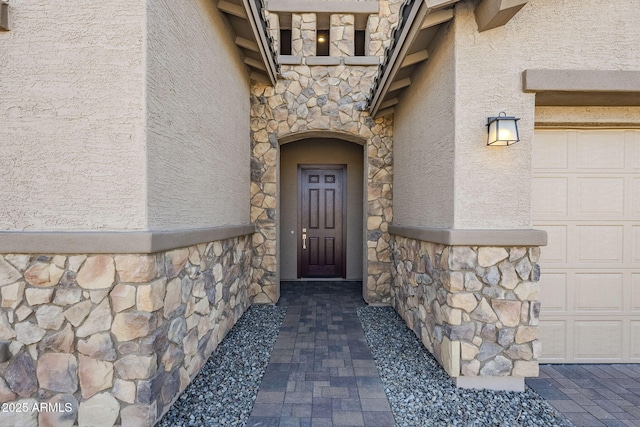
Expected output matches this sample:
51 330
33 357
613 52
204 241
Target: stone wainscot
475 309
114 339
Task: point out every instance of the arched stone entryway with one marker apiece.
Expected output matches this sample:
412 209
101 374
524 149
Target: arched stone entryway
323 108
334 153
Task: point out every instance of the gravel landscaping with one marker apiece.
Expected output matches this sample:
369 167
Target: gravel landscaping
421 394
222 394
419 391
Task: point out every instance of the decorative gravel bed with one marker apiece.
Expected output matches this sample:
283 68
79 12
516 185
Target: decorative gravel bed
421 393
222 394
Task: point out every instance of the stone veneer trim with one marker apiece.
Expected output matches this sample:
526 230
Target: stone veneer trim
461 237
107 242
334 7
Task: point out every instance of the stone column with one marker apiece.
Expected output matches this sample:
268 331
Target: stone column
342 35
303 34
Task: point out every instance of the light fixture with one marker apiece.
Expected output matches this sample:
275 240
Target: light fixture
503 130
321 39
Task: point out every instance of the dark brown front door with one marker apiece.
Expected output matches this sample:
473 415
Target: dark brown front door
321 192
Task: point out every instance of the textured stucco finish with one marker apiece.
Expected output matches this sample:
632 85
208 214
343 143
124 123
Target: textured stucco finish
320 151
492 186
423 133
72 149
198 118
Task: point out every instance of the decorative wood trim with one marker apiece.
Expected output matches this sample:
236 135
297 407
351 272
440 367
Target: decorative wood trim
254 63
247 44
496 13
414 58
389 103
114 242
232 9
458 237
400 84
436 18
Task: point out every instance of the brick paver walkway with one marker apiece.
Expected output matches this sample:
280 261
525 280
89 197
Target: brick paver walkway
592 395
321 371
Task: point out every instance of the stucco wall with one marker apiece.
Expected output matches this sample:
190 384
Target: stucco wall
72 116
492 184
423 136
198 118
320 151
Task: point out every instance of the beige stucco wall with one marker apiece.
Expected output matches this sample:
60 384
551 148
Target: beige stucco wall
320 151
198 118
72 116
423 135
492 185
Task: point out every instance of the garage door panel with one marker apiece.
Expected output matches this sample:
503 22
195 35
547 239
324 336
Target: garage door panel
635 292
595 340
636 150
635 340
600 150
600 197
556 249
635 243
552 150
550 197
553 336
599 292
600 243
590 283
553 293
635 197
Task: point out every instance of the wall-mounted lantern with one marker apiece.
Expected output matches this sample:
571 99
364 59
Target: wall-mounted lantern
5 19
503 130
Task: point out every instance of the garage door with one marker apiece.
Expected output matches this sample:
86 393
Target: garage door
586 195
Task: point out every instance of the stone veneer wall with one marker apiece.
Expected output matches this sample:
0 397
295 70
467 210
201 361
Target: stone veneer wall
117 337
474 308
323 101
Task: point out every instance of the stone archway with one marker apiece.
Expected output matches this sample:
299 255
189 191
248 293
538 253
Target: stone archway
297 108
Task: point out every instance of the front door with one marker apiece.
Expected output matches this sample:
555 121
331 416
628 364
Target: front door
321 192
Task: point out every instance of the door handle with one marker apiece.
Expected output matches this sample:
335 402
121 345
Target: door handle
304 241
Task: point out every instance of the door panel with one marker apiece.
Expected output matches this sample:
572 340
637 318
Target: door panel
321 191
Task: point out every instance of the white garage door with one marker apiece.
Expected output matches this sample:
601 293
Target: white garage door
586 195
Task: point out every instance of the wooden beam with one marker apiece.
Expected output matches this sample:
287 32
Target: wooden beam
386 112
254 63
247 44
436 18
437 4
232 9
400 84
496 13
260 77
414 58
389 103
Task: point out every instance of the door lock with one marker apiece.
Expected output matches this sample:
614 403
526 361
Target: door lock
304 239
